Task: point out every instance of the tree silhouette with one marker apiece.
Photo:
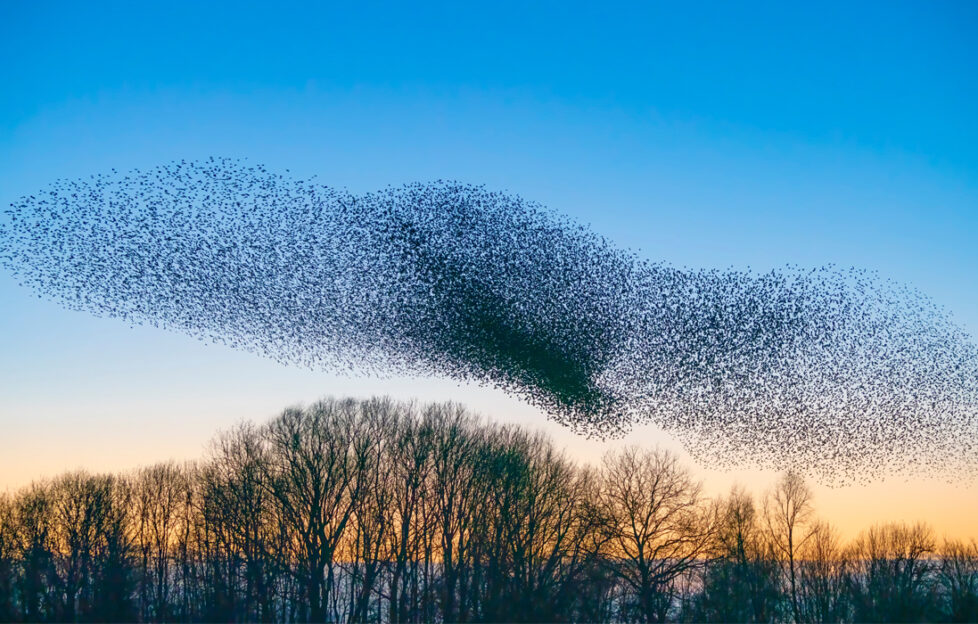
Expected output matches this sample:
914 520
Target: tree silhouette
380 511
787 508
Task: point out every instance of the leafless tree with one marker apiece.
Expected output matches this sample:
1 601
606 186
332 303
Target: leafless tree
412 447
157 498
82 509
240 510
34 528
959 579
316 479
821 576
379 511
454 494
787 509
8 558
660 525
370 536
740 581
890 577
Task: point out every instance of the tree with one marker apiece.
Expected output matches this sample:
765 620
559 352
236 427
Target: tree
370 539
113 599
377 511
787 508
8 559
454 492
239 508
659 524
890 575
82 510
821 576
534 547
157 497
38 579
315 478
958 577
411 469
740 581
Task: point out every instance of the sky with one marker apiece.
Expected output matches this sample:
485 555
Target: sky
698 134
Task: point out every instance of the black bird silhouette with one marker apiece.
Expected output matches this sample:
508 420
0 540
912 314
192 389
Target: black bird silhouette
835 372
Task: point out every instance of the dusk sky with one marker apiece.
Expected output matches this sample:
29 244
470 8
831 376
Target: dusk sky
706 135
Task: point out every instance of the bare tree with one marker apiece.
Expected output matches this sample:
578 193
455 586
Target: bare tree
959 579
157 497
379 511
411 467
454 494
371 535
315 479
740 581
8 558
239 506
787 509
536 519
821 576
38 579
660 525
114 580
890 576
81 510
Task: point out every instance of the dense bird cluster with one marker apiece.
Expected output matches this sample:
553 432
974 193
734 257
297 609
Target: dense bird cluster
837 372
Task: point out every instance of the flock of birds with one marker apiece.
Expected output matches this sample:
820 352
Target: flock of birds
835 372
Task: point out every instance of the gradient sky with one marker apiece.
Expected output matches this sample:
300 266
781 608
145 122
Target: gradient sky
704 135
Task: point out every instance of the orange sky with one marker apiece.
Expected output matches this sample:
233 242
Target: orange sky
64 431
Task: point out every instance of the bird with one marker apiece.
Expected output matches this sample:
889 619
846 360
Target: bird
835 372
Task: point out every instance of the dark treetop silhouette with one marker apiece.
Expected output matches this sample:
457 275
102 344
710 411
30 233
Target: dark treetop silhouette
834 371
389 512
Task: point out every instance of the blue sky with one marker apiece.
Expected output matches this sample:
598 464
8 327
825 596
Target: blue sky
702 134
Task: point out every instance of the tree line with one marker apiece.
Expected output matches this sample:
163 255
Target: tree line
381 511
